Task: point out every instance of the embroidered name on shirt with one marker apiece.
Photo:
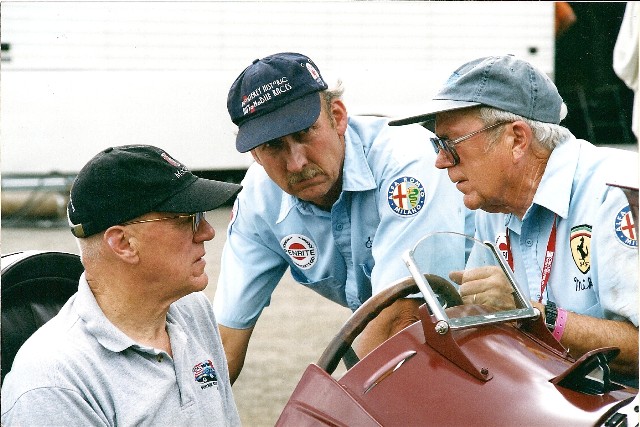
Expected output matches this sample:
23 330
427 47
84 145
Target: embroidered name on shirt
301 250
406 196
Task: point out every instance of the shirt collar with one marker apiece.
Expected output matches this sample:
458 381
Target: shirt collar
96 322
554 190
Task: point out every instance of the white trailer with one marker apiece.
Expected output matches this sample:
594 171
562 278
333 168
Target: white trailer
77 77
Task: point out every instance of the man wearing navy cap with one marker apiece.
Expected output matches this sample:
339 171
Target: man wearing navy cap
543 199
138 343
333 198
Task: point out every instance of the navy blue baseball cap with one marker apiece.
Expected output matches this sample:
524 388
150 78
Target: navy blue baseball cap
275 96
504 82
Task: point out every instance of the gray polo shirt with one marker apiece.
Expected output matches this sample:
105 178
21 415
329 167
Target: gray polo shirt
79 369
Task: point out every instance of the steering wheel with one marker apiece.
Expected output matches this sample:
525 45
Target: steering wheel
446 293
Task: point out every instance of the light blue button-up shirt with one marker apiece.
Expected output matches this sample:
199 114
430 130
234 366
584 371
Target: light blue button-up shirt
595 266
392 195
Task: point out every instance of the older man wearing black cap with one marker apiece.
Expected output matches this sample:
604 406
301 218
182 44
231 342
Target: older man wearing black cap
138 343
334 198
543 199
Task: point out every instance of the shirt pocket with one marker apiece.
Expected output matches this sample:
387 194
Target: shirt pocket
329 287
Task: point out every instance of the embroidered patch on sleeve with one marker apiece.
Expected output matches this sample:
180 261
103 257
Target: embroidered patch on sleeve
301 249
580 242
625 228
406 196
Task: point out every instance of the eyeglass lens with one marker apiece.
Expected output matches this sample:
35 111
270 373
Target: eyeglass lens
197 218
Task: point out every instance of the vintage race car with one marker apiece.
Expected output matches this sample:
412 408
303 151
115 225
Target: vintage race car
460 364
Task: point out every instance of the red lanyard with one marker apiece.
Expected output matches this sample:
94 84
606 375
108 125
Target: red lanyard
548 258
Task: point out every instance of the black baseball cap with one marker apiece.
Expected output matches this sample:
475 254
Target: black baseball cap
275 96
125 182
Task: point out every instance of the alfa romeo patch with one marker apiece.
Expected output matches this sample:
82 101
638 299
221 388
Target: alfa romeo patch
406 196
625 228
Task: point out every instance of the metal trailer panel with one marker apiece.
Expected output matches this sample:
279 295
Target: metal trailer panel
82 76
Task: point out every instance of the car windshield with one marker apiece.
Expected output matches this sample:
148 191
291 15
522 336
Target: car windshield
427 257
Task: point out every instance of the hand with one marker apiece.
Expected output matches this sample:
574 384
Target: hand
485 285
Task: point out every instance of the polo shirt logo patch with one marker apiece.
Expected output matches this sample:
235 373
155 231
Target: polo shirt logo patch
580 242
625 228
205 374
406 196
301 249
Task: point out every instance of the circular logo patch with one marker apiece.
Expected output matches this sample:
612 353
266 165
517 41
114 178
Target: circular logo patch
406 196
625 228
301 250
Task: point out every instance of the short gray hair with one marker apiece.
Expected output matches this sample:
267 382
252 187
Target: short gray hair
330 95
548 135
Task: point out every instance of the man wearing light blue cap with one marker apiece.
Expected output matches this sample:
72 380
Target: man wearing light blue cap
334 199
542 197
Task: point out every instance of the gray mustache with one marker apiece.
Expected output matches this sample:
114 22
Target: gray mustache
308 173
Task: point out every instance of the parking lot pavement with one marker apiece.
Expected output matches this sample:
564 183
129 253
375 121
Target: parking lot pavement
291 333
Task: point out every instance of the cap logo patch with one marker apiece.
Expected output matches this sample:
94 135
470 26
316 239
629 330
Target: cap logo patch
182 170
580 243
301 250
265 93
170 160
314 73
406 196
625 228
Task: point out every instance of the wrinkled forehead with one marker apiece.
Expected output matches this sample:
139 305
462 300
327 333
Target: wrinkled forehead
455 119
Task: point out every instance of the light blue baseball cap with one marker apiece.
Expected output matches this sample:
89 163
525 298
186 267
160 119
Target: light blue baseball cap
503 82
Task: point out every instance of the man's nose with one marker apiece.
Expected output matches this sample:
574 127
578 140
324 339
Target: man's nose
442 160
296 157
204 232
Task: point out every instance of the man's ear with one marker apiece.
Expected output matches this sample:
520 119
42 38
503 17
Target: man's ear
121 243
522 139
339 112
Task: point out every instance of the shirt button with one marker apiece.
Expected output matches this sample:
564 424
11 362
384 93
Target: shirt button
339 227
528 242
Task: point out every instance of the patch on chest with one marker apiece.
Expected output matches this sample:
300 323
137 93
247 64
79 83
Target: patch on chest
580 242
301 249
406 196
625 228
205 373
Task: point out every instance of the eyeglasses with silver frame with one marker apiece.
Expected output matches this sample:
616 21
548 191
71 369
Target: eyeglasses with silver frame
448 145
196 218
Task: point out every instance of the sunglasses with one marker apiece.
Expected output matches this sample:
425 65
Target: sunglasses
447 146
196 218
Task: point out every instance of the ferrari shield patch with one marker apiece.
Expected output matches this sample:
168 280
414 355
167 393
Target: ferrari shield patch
406 196
625 228
580 242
